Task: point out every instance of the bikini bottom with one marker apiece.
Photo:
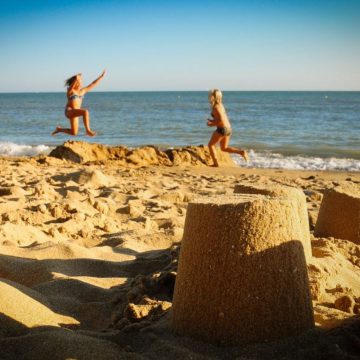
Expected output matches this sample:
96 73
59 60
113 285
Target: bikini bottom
225 131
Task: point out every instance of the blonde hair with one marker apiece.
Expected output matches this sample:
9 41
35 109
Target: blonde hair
215 97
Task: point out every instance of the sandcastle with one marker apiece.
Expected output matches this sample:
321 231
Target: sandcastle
288 192
339 214
242 274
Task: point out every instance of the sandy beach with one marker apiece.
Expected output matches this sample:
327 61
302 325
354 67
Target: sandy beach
89 245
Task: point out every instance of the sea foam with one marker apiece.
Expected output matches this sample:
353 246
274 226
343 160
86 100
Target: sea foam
12 149
268 159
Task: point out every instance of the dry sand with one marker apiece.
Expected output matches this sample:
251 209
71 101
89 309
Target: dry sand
88 257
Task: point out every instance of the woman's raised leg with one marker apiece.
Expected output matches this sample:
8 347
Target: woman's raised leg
224 146
74 128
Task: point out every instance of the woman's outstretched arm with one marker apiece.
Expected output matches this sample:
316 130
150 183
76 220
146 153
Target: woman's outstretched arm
93 84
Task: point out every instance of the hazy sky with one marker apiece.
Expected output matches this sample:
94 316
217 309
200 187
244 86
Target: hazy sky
181 45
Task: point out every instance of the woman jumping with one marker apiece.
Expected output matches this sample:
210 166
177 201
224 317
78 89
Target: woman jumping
222 133
73 109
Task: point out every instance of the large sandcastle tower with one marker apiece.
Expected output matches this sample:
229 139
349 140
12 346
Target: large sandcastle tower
242 274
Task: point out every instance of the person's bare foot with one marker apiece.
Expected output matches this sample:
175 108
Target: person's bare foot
245 155
214 165
57 130
91 133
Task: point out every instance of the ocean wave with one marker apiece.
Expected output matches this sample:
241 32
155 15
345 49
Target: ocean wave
12 149
267 159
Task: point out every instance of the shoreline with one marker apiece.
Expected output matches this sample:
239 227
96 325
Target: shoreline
338 175
267 161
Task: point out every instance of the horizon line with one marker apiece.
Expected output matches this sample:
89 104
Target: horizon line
142 91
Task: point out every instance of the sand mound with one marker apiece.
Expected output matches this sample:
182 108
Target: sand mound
82 152
27 272
148 155
43 188
21 234
61 344
14 191
94 178
26 311
72 288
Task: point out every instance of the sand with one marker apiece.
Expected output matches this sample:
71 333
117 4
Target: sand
89 250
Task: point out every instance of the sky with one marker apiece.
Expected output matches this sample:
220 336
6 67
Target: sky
180 45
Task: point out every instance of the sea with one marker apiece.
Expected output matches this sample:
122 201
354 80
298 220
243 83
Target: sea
282 130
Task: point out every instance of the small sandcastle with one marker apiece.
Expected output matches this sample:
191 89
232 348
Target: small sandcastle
339 214
242 274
